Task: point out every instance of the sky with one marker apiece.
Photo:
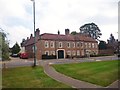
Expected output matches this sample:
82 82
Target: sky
16 17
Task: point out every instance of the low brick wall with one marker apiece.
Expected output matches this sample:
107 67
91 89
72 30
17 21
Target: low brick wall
106 52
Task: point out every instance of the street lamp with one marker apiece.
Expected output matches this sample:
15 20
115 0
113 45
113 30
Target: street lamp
34 49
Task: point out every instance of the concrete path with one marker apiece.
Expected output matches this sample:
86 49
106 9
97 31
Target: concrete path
50 71
114 85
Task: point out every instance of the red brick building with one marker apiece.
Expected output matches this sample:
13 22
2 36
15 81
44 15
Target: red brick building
61 46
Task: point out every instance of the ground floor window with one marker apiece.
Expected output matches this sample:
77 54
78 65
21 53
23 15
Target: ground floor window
78 53
69 53
52 52
73 53
82 52
46 52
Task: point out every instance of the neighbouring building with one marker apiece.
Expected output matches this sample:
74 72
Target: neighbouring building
60 46
111 46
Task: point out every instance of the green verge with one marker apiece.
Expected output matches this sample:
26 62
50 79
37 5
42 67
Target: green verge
28 77
100 73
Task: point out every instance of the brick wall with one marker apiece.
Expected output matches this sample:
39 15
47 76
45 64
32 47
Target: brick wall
72 51
106 52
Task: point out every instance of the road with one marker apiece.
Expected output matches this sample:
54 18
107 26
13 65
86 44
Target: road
17 62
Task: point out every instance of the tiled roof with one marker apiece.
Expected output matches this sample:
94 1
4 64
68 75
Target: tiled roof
79 37
48 36
30 41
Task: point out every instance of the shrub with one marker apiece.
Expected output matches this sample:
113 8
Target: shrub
48 56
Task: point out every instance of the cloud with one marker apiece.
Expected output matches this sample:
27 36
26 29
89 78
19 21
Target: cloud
17 33
70 13
15 19
17 16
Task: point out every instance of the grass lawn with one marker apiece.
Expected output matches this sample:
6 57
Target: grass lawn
101 73
28 77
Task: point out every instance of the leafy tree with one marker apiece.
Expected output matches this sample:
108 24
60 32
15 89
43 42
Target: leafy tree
4 46
102 45
15 48
91 29
111 39
73 32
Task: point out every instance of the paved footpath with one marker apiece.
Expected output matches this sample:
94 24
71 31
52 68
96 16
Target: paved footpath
51 72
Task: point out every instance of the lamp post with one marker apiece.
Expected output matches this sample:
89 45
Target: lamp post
34 49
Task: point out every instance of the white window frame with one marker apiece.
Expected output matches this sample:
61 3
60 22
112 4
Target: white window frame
69 53
52 44
73 53
73 44
78 44
46 52
86 45
89 45
93 45
46 44
96 45
82 44
60 44
68 44
78 53
52 52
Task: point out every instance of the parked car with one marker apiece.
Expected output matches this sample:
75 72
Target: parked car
23 55
14 55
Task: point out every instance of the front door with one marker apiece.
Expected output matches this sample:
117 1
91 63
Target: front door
60 54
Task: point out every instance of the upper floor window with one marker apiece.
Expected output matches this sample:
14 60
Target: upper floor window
93 45
60 44
89 45
82 44
68 44
73 44
52 44
96 45
78 44
85 45
46 44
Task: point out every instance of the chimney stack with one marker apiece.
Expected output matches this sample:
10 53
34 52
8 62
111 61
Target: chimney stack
58 32
67 31
31 36
37 32
27 38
